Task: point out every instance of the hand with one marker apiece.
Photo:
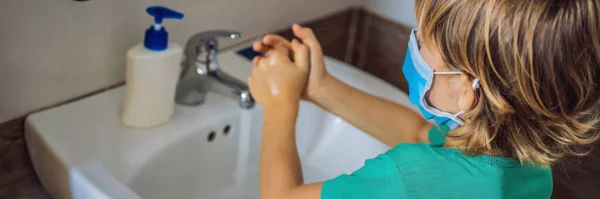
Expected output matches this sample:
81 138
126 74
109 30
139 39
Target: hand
318 73
276 80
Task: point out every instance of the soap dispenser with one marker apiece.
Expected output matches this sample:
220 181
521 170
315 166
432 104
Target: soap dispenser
152 72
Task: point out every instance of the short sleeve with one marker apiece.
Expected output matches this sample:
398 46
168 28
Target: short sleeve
378 178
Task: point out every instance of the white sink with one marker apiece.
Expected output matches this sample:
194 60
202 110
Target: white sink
81 150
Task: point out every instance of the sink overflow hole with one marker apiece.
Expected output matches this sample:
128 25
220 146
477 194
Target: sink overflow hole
211 136
226 130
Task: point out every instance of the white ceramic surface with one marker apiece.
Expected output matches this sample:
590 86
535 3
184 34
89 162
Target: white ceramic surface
81 150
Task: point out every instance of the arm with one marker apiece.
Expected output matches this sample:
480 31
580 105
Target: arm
389 122
277 84
280 171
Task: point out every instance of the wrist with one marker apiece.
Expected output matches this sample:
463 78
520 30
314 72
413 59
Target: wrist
320 90
282 112
282 105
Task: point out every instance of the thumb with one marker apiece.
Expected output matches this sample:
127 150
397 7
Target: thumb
301 55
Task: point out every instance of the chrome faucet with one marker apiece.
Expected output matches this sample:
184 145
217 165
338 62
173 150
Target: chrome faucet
200 72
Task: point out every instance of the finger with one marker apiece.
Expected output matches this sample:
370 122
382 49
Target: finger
265 62
262 62
280 52
277 51
274 40
301 55
256 46
269 53
259 46
308 38
255 61
253 71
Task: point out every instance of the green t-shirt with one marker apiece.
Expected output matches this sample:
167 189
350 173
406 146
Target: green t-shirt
430 171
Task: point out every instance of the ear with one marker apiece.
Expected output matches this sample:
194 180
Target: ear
466 99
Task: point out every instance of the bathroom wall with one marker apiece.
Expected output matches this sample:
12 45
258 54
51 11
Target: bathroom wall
380 47
52 51
399 11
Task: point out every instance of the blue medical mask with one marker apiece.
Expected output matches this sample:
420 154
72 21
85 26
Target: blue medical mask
420 76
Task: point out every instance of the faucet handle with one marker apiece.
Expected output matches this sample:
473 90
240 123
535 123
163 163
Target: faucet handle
203 47
212 38
209 40
220 33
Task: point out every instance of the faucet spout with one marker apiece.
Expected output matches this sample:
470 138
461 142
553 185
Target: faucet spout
232 87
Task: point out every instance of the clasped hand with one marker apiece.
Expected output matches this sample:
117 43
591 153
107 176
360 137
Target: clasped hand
289 71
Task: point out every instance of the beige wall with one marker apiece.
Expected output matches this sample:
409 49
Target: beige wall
401 11
51 51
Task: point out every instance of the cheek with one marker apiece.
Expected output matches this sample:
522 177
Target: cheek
439 96
434 95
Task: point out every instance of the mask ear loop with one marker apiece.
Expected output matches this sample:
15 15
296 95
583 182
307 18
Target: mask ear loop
459 113
448 73
475 84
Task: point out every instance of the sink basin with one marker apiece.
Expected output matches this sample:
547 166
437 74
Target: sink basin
81 149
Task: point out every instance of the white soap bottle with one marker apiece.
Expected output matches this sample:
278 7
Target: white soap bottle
153 69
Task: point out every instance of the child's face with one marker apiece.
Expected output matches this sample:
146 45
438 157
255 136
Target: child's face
446 90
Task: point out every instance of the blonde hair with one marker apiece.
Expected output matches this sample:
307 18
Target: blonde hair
539 66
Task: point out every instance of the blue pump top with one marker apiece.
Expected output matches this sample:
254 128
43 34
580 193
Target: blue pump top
156 37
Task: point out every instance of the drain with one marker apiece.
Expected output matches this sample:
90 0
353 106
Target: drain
211 136
226 129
